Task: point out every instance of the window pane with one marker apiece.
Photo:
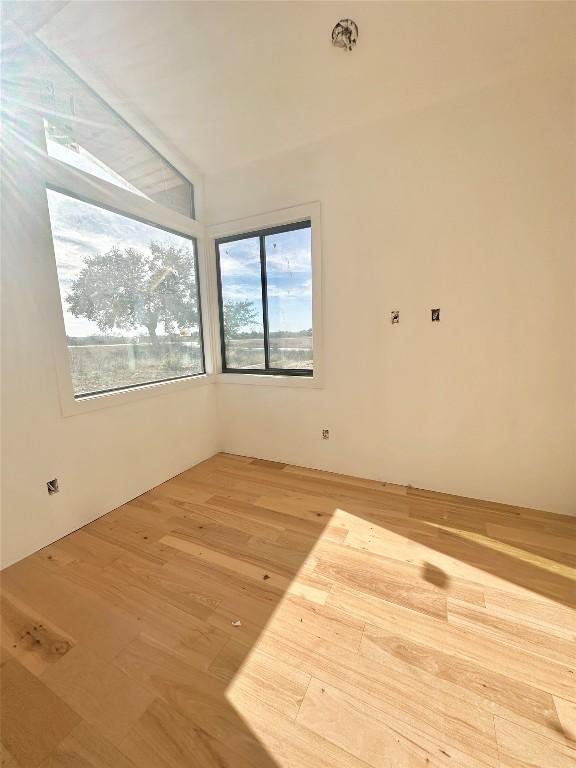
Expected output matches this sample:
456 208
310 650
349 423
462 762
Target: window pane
289 273
241 298
83 131
129 298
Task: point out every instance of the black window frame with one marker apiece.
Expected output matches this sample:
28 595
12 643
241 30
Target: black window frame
150 222
261 234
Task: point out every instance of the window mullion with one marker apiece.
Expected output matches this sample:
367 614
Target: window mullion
264 281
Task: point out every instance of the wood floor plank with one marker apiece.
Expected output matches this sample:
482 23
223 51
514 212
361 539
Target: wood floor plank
410 700
532 608
259 675
164 738
521 749
228 661
162 583
211 587
288 742
200 516
34 719
140 539
296 616
497 689
274 511
311 587
85 747
198 697
145 610
496 625
245 477
6 759
348 480
253 613
442 573
222 560
512 568
101 694
211 534
78 611
549 676
371 574
376 737
29 637
175 490
539 538
83 546
567 716
149 663
484 690
247 517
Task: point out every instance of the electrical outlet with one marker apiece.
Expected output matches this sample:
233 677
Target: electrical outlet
325 434
52 486
435 315
395 316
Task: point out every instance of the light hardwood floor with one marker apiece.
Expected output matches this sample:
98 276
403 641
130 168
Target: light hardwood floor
379 626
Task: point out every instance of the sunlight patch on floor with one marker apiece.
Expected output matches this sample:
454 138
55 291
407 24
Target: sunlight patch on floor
358 576
277 673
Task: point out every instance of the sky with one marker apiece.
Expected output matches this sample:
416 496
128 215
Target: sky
79 230
289 275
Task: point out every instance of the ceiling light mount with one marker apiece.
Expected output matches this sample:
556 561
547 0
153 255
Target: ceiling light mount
345 34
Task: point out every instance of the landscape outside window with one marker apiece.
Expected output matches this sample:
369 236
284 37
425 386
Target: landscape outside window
287 313
129 294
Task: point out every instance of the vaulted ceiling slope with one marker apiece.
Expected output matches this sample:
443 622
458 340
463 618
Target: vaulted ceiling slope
231 82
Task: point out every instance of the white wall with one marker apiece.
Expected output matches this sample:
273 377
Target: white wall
468 206
101 458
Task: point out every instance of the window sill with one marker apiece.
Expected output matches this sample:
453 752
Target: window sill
73 407
265 380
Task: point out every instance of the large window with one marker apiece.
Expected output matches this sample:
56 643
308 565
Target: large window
265 293
83 131
130 298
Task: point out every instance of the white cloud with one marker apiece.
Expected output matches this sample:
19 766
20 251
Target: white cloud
80 230
291 261
244 292
297 290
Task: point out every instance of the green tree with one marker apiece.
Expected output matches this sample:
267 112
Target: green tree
238 315
127 289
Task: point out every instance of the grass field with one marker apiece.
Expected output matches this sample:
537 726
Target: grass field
118 363
285 352
97 367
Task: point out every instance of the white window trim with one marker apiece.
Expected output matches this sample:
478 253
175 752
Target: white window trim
292 215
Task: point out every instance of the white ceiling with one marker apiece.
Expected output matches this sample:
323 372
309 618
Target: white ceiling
231 82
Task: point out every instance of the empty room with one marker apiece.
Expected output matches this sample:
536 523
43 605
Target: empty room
288 397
